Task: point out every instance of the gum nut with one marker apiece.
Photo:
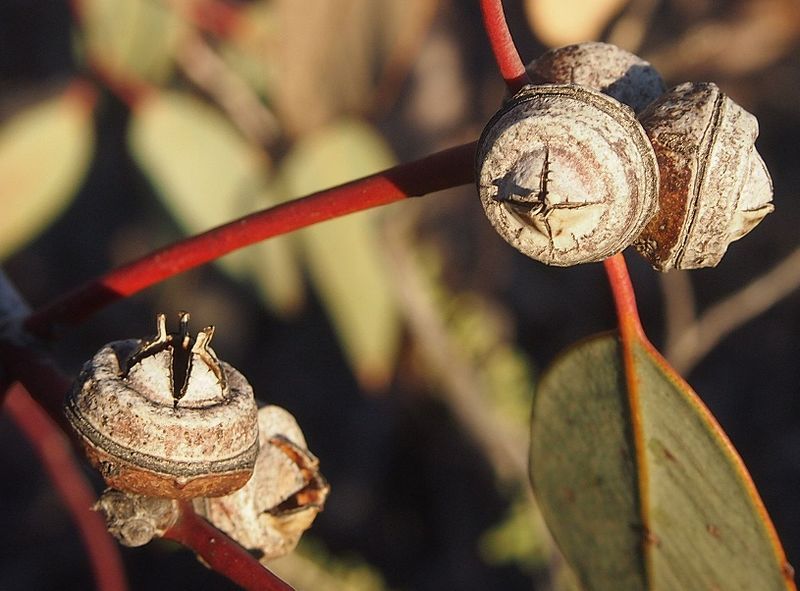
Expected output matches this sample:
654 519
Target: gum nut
600 66
566 174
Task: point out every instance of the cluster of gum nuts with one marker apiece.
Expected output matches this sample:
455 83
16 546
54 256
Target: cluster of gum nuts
164 419
595 156
590 159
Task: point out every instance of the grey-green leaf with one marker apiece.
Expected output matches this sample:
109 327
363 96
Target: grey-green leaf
131 39
685 515
583 467
45 151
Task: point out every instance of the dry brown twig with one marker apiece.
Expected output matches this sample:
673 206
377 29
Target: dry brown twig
699 337
504 445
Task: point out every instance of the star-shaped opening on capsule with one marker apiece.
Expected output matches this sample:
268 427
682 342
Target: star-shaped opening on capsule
184 351
537 203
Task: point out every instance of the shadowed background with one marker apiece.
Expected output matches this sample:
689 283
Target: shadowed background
406 341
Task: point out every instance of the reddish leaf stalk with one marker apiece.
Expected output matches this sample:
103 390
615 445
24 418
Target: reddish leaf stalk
221 553
61 466
632 334
505 52
442 170
631 331
624 297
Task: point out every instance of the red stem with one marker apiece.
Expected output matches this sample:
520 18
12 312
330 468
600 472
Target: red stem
624 298
61 466
505 52
221 553
442 170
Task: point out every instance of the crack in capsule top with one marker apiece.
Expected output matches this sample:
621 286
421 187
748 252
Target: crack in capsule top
566 174
177 368
165 417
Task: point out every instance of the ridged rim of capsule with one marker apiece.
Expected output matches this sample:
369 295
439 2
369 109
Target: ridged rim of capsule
245 460
621 115
108 361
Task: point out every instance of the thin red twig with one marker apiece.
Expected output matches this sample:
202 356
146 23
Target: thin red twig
505 52
624 297
56 456
221 553
47 386
442 170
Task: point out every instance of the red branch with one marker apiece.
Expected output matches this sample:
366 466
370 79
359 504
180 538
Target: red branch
54 451
505 52
442 170
221 553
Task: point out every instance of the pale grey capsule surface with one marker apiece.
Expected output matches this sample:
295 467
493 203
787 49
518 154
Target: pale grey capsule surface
610 69
566 174
715 187
165 417
270 513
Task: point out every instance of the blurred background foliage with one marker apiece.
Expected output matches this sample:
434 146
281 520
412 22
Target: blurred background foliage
407 340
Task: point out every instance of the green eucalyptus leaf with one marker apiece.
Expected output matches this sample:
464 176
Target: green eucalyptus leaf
45 151
276 271
685 515
583 468
207 174
204 170
344 256
520 538
131 39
